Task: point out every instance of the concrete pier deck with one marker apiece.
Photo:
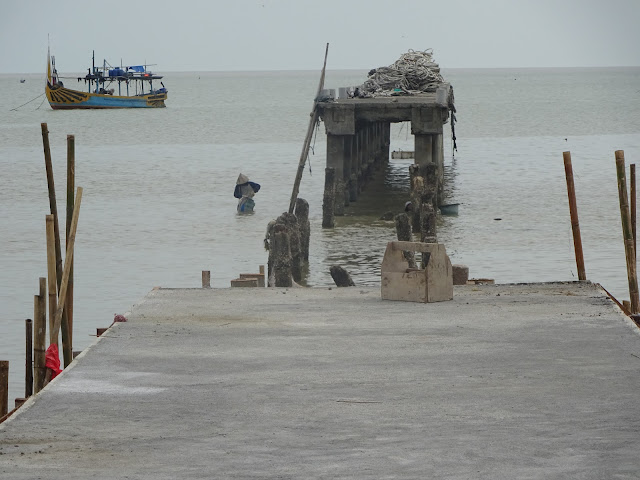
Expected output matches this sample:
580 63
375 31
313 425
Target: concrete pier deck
530 381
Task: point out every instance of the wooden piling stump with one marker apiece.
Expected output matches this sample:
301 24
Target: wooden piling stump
206 279
341 277
460 274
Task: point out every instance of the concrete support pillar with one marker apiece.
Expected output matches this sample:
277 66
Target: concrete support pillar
386 141
336 160
423 148
349 154
438 159
329 198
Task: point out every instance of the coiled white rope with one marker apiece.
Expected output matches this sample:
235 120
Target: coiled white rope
414 72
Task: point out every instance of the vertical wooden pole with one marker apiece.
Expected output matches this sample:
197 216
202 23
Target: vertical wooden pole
40 335
71 188
573 210
51 277
28 364
632 182
4 387
206 279
626 231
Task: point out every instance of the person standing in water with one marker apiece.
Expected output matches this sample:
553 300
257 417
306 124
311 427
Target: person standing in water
244 192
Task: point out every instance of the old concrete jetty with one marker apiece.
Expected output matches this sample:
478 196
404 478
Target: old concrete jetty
502 382
358 138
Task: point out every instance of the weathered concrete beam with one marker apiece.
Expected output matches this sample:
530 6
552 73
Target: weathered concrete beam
426 120
339 119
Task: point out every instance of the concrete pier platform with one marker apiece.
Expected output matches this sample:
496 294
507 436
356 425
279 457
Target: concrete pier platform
530 381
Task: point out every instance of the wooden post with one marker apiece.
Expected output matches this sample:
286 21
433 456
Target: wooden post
626 231
206 279
40 335
65 276
307 140
51 277
71 188
573 210
28 364
4 387
632 181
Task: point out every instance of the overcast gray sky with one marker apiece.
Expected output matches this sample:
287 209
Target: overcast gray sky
203 35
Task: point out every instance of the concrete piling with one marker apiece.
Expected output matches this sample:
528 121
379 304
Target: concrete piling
281 256
329 198
403 231
304 227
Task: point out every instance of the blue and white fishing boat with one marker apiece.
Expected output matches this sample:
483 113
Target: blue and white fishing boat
106 87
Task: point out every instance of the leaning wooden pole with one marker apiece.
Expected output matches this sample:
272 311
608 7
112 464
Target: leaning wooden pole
4 387
626 231
632 192
307 140
71 188
67 268
573 210
39 336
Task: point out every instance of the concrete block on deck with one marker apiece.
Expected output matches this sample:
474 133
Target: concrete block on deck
258 276
434 283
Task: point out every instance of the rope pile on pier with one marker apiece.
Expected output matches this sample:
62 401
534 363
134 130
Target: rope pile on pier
414 72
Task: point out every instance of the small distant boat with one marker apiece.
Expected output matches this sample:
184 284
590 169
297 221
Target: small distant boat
401 154
22 80
449 209
107 87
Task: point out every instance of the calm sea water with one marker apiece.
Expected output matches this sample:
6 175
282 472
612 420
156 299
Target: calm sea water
158 204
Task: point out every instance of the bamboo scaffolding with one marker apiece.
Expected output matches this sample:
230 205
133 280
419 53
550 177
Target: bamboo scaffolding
573 210
67 353
626 231
307 141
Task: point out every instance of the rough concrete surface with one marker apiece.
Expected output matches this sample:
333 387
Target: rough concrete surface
531 381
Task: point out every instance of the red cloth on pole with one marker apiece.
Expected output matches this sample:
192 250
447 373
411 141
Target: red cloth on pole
53 360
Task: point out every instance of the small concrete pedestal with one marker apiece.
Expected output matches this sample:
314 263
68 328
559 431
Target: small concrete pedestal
434 283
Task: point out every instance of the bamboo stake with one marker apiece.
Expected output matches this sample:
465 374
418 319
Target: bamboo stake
54 211
573 209
4 387
40 335
67 267
28 371
51 277
632 186
307 140
71 188
626 231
